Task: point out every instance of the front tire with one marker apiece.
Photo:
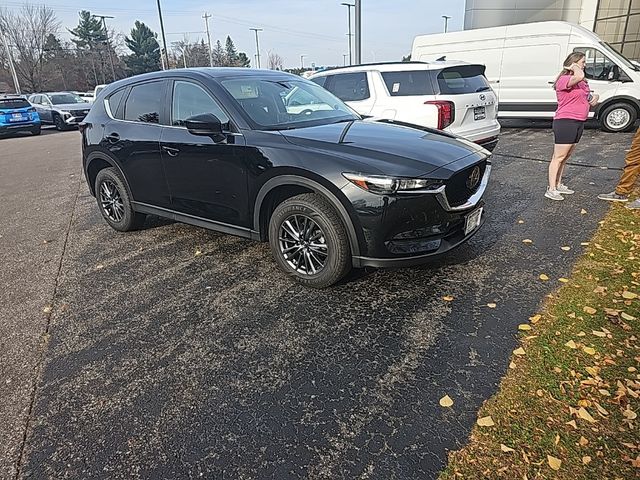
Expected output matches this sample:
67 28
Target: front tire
59 123
309 241
114 201
619 117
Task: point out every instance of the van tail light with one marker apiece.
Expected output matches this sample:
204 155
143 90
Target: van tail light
446 112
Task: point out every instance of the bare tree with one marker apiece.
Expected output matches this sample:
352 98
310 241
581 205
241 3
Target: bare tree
27 31
275 61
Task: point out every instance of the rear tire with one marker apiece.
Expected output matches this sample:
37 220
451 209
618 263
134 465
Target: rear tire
309 241
114 201
36 130
618 117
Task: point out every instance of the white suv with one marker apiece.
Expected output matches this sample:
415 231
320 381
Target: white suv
451 96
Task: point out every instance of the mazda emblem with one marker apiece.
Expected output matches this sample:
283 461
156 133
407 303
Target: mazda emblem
474 178
483 97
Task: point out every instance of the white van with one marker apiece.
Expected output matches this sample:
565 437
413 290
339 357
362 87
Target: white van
522 62
450 96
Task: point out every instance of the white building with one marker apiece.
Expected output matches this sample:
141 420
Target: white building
617 22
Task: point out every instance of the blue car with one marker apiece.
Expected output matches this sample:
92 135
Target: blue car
18 115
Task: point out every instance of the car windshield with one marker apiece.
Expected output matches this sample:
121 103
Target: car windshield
62 98
285 104
614 53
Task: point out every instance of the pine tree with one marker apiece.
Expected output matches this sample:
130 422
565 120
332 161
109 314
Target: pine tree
219 55
243 60
146 50
231 52
89 32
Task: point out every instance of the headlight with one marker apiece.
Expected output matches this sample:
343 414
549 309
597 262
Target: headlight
383 185
65 114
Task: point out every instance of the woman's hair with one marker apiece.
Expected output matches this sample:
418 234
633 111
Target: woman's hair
574 57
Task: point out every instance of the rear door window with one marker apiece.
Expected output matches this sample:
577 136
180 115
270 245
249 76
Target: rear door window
403 84
349 87
8 103
462 79
144 103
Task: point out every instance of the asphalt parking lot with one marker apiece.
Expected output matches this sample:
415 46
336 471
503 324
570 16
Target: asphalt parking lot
155 362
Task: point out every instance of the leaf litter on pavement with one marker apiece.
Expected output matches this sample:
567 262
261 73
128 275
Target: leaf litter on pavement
568 406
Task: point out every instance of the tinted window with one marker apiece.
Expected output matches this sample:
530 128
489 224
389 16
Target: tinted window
14 103
114 101
597 66
190 99
144 102
320 80
400 84
34 99
462 79
349 87
62 98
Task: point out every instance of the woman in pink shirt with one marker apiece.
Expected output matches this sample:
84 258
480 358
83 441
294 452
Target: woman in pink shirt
574 100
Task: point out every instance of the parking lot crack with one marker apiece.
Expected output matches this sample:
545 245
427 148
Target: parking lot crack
45 334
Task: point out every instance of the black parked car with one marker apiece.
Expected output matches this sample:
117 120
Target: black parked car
223 149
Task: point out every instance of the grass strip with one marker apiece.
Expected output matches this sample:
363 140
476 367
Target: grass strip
568 406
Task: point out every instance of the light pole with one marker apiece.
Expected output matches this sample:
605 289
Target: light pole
302 61
104 26
257 44
446 22
344 59
206 17
164 39
16 83
349 6
358 11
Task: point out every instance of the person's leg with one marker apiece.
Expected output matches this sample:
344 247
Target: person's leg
560 152
629 175
564 163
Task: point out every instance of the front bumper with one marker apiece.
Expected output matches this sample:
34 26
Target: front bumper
410 229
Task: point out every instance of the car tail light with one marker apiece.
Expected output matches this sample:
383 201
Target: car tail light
446 112
82 126
31 110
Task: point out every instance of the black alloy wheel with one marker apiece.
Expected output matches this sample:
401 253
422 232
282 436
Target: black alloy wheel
114 201
309 241
59 123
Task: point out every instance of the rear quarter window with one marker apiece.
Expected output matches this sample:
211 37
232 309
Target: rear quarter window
8 103
349 87
403 84
462 79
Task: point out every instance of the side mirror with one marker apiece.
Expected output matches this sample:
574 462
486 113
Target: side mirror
207 125
614 74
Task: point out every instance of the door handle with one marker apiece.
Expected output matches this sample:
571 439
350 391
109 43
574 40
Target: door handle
113 137
172 152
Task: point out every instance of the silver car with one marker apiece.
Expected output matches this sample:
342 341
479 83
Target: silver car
62 109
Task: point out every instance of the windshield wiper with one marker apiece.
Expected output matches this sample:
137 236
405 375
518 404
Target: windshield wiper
483 89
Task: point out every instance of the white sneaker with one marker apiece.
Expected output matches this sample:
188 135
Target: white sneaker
553 194
563 189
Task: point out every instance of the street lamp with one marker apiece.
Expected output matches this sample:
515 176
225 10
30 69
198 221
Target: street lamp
257 44
302 61
349 6
446 22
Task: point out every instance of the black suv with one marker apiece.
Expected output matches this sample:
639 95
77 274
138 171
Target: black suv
273 157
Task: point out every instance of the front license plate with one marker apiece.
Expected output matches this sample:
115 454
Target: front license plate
479 113
472 221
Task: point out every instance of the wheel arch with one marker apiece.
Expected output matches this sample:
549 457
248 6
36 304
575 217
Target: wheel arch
97 161
294 185
634 102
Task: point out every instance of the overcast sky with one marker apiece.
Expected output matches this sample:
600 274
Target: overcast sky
317 29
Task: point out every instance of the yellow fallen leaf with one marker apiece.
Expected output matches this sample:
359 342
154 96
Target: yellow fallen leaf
566 249
99 266
447 298
491 305
589 310
632 369
535 318
506 449
554 462
47 309
589 350
485 422
629 414
583 414
627 317
571 344
604 392
543 277
563 280
593 371
524 326
598 333
519 352
520 221
573 424
629 295
198 252
583 212
586 459
600 409
583 441
446 401
527 240
584 244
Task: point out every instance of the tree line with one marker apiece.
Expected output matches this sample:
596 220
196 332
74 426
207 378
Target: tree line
94 54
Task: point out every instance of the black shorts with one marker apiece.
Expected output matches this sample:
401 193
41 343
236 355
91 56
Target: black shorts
567 131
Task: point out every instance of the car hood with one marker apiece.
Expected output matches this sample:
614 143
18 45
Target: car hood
387 148
73 106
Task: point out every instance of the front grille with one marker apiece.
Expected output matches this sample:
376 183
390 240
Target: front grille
79 113
457 190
